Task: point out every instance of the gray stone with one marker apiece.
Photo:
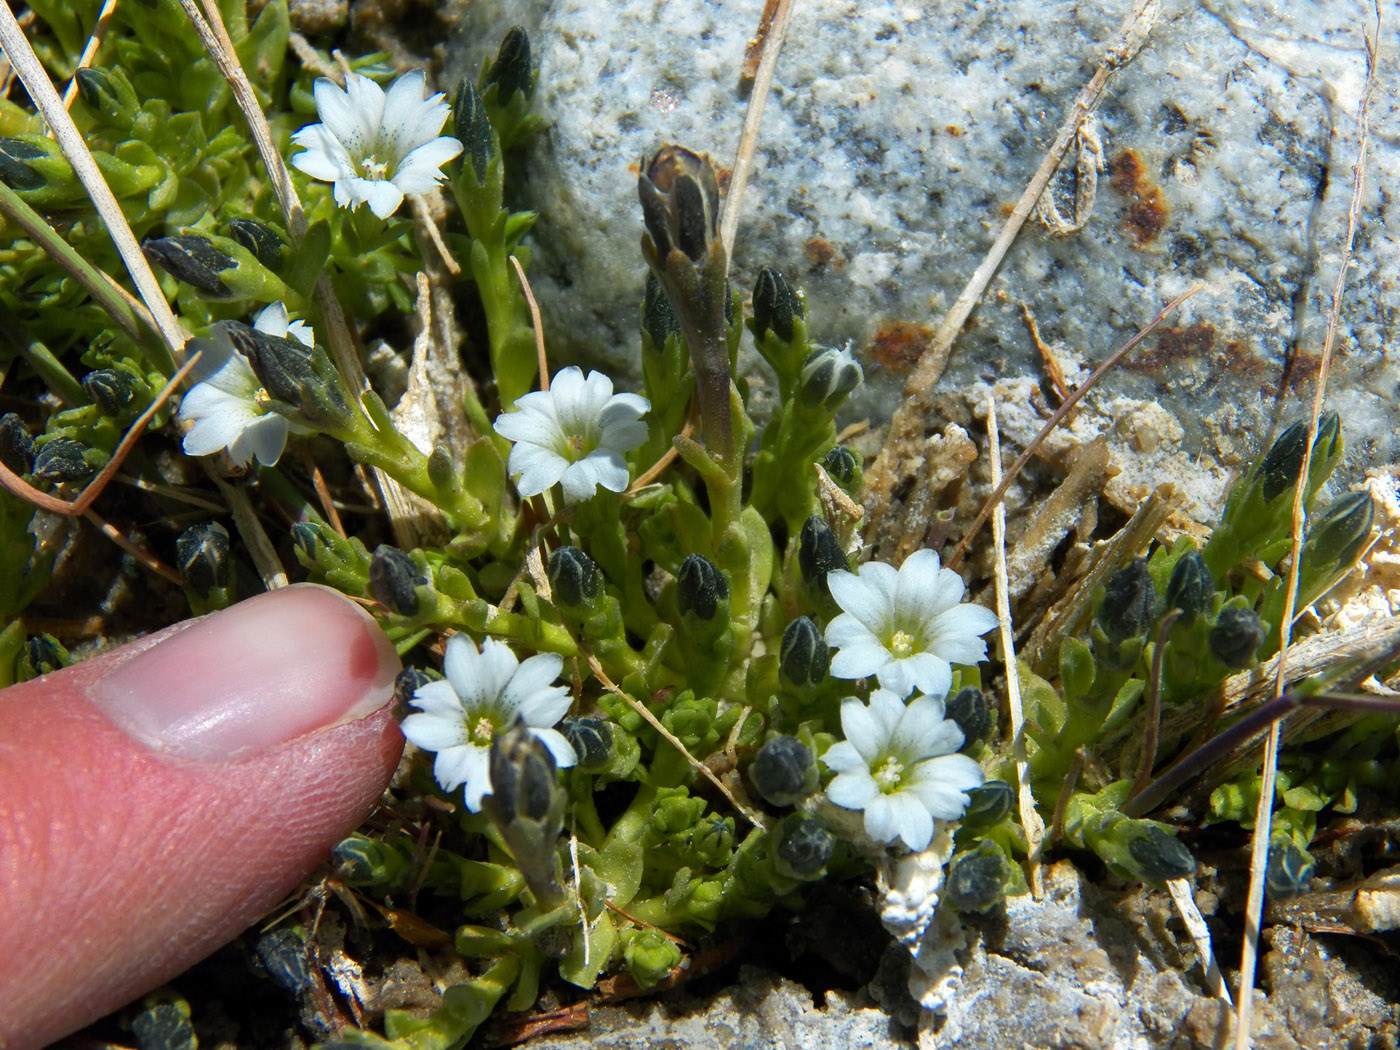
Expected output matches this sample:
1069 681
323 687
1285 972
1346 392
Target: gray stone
897 136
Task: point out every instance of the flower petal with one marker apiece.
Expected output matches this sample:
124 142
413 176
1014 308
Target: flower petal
384 198
559 746
538 467
853 790
941 784
881 823
433 732
913 820
468 765
842 757
862 730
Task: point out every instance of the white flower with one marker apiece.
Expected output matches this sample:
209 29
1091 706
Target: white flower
575 433
899 764
905 627
376 146
224 408
484 693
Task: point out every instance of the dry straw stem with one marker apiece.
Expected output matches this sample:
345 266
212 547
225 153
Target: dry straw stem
1263 817
907 425
1031 823
1195 924
99 30
748 138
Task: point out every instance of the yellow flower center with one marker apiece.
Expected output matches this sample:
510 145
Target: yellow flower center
889 775
481 732
375 170
902 644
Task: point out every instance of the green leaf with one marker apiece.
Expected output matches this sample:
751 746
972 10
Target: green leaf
1076 667
309 258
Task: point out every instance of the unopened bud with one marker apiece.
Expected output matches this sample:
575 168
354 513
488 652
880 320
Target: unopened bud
977 879
1236 637
1190 587
574 577
804 847
783 771
296 374
968 708
1160 857
776 304
17 168
394 579
680 202
844 466
282 953
263 241
513 69
700 587
1290 870
472 127
108 92
43 654
988 804
659 320
804 657
828 377
408 681
16 444
201 552
363 861
1279 469
818 553
111 389
1129 602
193 259
62 459
1342 530
592 741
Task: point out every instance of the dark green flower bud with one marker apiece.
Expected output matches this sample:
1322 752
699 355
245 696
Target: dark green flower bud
828 377
783 771
513 69
776 304
1159 856
1129 602
804 657
263 241
193 259
977 879
818 553
592 740
650 956
16 171
680 202
1279 469
844 466
164 1026
472 127
968 708
408 681
282 953
111 389
363 861
16 444
306 538
1190 587
523 786
43 654
1290 870
574 577
700 587
1329 435
394 579
1339 535
988 804
804 847
108 92
659 319
61 459
1236 637
297 375
201 553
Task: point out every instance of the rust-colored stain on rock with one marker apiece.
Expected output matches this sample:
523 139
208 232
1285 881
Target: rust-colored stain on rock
1147 208
823 253
898 345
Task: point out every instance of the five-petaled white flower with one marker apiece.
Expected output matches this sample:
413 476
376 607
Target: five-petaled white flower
575 433
899 764
485 691
224 407
376 146
905 627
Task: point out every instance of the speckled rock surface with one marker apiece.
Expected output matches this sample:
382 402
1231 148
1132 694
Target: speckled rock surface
897 136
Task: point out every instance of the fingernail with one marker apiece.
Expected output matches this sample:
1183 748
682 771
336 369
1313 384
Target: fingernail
260 673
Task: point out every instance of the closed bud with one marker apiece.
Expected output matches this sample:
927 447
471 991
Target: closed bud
1279 469
201 553
1236 637
394 579
193 259
1159 857
700 587
968 708
803 657
1290 870
408 681
18 169
977 879
574 577
163 1025
473 129
711 841
282 953
988 804
1129 602
1342 530
1190 587
263 241
513 69
363 861
16 444
804 847
526 802
308 539
61 459
844 466
650 956
783 771
776 305
297 375
111 390
828 377
659 320
107 91
43 654
818 553
680 202
1329 436
592 740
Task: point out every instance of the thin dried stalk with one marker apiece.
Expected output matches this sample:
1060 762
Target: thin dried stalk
99 30
1195 924
1263 816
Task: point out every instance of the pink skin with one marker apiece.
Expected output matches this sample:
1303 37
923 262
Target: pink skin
123 862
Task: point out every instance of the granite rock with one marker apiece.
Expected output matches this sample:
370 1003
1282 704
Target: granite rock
898 135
